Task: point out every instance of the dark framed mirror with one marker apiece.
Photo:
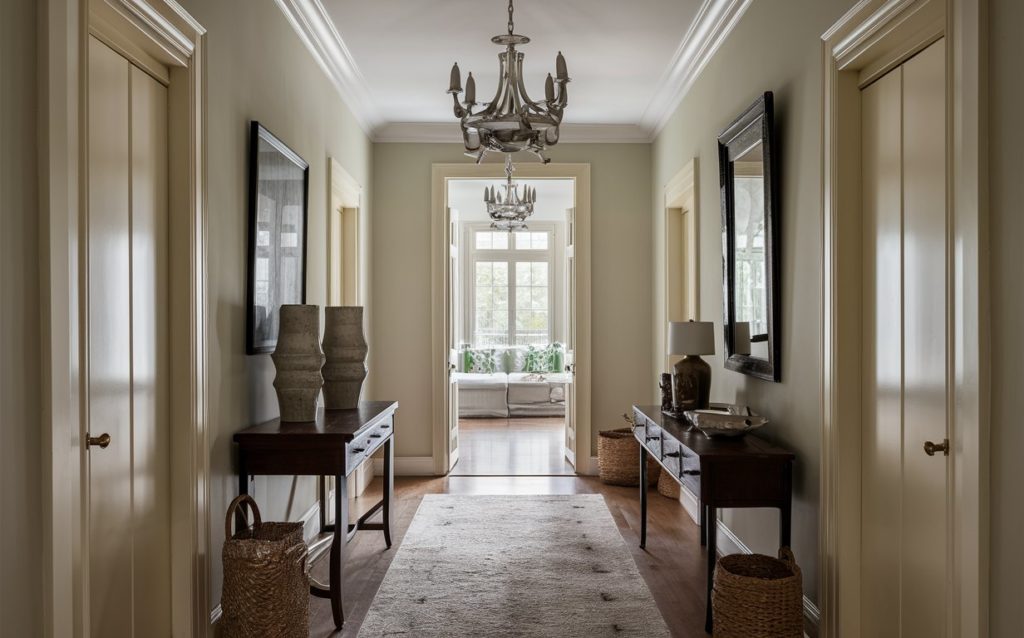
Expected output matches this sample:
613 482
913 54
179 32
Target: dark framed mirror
750 250
278 213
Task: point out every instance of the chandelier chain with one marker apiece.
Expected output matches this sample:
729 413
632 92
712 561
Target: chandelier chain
510 25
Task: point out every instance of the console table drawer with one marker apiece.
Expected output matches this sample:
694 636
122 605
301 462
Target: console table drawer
652 438
672 456
368 443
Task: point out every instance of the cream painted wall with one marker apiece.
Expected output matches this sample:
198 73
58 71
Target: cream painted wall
20 419
776 46
259 69
1006 164
621 237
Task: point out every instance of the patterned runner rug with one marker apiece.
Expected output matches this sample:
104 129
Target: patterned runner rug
518 566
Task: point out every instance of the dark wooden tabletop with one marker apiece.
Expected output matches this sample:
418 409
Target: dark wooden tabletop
696 441
331 426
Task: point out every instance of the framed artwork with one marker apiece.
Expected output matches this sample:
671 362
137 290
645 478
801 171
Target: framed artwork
278 210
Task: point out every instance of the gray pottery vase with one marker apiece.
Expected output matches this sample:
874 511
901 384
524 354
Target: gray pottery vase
298 360
345 348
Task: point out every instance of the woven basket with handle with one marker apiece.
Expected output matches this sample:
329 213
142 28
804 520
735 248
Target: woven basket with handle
266 588
757 596
618 459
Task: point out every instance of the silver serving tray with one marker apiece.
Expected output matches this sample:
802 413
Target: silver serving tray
723 420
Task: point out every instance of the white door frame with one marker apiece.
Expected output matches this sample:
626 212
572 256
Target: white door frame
441 175
344 216
680 228
873 37
162 31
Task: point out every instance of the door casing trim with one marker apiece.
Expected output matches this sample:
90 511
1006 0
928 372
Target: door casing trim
872 36
440 175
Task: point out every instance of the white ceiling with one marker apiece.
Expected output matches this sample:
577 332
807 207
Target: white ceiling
616 51
631 62
554 196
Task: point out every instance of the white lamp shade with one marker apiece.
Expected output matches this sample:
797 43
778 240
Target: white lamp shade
691 337
741 337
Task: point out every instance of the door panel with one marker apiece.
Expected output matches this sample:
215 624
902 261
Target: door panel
570 335
454 333
904 540
925 361
149 275
127 337
109 343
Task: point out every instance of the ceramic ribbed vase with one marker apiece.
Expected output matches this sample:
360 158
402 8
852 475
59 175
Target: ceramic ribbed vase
345 349
298 360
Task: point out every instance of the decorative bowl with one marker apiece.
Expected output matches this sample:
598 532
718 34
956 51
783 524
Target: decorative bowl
725 421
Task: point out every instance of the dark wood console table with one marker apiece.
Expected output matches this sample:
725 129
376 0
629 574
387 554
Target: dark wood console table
333 445
720 472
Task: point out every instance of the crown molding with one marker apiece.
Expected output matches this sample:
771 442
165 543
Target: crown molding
715 20
448 132
316 30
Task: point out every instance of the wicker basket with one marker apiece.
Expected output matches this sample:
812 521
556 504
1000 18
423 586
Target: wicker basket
758 596
618 458
266 588
667 486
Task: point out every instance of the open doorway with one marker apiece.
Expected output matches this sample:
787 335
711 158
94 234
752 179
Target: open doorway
512 306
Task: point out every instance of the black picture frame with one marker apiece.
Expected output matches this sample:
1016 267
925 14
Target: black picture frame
755 125
278 205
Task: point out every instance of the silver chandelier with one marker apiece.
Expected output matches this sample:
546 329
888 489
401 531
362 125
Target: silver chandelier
508 210
510 122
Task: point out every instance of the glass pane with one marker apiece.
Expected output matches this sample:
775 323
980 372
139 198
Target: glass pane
491 306
490 240
540 273
539 296
523 277
529 240
500 273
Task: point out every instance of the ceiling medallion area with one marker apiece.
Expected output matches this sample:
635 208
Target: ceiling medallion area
511 122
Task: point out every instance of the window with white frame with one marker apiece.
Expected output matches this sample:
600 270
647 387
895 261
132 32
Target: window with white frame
511 291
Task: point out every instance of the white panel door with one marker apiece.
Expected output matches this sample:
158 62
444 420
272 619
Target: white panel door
904 536
454 334
127 336
570 335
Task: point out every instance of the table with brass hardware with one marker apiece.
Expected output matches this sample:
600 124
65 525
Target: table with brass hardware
333 445
721 472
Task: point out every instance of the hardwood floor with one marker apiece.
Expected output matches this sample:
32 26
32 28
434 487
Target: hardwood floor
512 447
673 565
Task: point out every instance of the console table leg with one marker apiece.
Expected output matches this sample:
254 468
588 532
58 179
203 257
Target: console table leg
243 488
643 497
703 525
323 502
389 489
712 523
338 548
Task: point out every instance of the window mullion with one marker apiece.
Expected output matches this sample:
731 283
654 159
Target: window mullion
512 300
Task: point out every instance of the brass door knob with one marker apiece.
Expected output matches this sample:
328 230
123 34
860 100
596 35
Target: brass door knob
102 440
931 448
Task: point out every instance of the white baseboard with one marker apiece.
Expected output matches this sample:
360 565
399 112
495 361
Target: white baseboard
569 455
408 466
310 519
592 470
730 543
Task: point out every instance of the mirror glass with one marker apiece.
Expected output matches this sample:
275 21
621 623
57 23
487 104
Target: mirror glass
750 288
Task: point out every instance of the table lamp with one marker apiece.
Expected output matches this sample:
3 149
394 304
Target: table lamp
691 375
